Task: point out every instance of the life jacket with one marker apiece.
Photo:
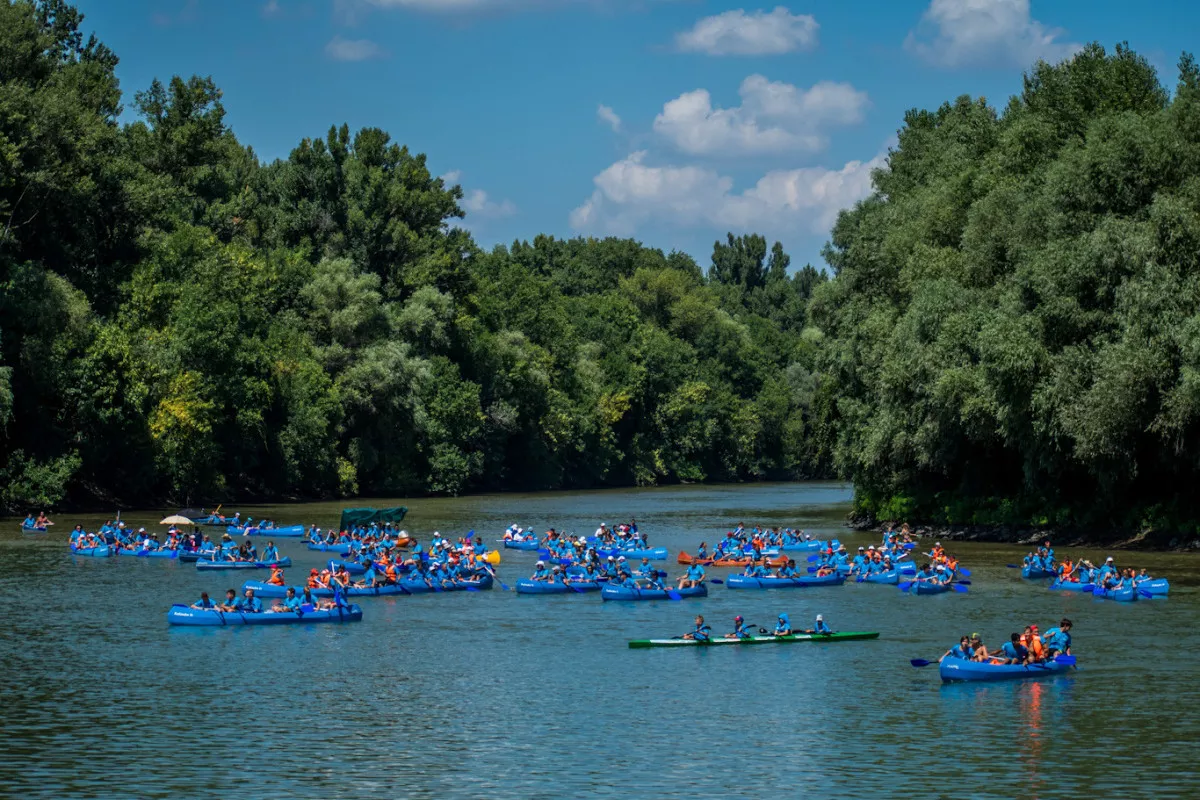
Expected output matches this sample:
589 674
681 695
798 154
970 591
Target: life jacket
1036 648
390 572
1066 572
276 578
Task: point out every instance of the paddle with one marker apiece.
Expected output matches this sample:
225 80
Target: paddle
909 545
810 569
964 583
813 558
966 573
920 662
717 581
495 577
1013 566
1144 593
674 595
958 587
906 585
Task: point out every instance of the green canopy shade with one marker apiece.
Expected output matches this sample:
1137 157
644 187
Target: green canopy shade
353 517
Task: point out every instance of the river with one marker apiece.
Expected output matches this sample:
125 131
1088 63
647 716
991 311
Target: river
501 695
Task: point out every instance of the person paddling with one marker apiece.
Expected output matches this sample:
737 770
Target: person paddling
819 627
701 632
276 578
783 627
204 603
1058 640
290 601
740 631
962 650
231 601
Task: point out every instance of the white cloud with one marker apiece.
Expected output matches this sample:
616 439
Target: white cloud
630 194
451 177
740 34
609 117
271 8
477 202
773 117
353 49
954 33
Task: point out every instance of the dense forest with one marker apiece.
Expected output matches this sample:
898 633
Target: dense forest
1008 332
179 321
1013 332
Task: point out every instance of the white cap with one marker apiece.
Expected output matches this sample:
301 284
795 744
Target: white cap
610 558
541 563
141 530
622 558
1108 559
820 618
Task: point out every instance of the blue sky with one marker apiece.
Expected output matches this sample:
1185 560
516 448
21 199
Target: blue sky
672 121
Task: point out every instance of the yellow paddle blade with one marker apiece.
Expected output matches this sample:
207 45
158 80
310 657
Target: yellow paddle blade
492 557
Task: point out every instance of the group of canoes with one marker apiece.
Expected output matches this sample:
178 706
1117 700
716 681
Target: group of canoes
565 549
119 539
1105 580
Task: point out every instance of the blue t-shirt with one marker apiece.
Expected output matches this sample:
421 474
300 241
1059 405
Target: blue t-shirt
695 572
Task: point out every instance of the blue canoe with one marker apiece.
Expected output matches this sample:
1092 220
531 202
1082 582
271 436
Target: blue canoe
891 577
746 582
405 586
1125 595
612 592
222 565
186 615
654 553
1069 586
1034 573
341 548
806 546
957 669
928 587
527 544
104 551
530 586
34 529
254 530
356 567
163 553
1158 587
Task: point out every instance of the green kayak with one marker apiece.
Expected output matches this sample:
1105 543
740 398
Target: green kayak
799 637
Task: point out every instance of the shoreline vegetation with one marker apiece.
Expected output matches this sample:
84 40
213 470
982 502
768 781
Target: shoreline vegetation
1032 535
1007 338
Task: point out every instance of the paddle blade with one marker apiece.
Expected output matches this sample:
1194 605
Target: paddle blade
717 581
1144 593
812 569
859 579
812 559
909 545
966 573
958 587
1068 660
1012 566
919 662
674 595
965 583
1098 591
904 587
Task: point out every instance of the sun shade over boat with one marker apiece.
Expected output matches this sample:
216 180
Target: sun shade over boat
353 517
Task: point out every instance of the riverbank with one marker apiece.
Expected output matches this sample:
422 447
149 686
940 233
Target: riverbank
1148 540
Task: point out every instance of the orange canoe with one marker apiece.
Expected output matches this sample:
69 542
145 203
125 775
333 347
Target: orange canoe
684 558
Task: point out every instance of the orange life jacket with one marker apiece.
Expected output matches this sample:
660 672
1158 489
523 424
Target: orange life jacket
1035 646
1066 572
390 572
276 578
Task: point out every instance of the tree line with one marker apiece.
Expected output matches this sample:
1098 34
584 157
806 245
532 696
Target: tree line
181 321
1008 331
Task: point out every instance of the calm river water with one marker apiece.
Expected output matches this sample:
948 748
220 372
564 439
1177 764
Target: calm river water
500 695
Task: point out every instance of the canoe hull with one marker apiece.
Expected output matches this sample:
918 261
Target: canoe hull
407 586
228 565
746 582
800 637
956 670
253 530
148 553
1068 586
928 587
530 544
1037 574
625 593
93 552
530 586
184 615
